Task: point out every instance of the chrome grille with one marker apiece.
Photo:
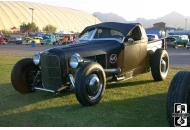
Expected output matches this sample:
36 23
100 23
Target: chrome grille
51 72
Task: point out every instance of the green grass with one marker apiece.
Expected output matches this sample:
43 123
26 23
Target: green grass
136 102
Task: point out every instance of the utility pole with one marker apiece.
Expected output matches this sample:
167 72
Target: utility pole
138 20
32 13
185 24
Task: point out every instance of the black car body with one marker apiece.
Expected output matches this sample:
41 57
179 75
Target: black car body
104 53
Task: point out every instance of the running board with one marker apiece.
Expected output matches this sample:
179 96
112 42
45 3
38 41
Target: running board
120 78
43 89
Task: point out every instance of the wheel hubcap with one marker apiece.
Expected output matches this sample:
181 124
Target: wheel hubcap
94 84
163 66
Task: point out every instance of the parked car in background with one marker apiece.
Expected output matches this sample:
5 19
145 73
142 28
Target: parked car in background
188 45
48 39
2 41
28 40
6 39
152 37
59 39
177 40
15 40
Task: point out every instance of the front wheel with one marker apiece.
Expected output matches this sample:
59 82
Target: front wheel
90 84
178 92
23 74
160 65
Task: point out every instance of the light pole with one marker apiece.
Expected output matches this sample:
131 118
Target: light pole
32 13
185 24
138 20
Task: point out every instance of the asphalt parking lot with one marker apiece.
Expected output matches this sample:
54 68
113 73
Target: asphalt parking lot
179 58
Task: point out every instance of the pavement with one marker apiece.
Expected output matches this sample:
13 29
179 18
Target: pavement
179 58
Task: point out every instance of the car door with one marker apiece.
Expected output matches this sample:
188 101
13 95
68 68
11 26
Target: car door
135 52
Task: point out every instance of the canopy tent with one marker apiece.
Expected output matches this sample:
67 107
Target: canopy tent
63 32
14 28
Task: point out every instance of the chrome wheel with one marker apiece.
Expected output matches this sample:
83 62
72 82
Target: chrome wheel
90 83
94 86
163 66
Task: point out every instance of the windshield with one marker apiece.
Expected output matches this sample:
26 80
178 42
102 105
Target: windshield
101 33
174 37
18 38
46 37
87 35
150 36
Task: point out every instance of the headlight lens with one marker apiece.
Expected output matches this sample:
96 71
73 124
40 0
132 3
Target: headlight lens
75 61
36 59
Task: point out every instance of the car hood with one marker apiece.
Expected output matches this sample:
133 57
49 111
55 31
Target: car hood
84 48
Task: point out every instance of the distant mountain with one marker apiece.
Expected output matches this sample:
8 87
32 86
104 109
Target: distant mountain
109 17
173 19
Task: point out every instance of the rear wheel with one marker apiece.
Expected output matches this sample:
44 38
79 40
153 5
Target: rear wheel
23 74
178 92
90 84
160 65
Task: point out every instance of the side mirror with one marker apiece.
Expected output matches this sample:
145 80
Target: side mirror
130 40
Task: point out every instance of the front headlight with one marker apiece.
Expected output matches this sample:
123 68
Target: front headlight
75 61
36 58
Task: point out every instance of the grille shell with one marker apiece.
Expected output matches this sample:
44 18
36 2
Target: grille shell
51 72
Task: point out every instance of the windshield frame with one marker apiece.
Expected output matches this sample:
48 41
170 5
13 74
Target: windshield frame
95 31
93 34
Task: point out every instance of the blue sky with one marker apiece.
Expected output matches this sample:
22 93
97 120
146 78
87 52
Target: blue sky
129 9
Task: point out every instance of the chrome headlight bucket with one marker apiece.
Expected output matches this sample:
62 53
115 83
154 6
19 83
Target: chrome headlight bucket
75 61
36 58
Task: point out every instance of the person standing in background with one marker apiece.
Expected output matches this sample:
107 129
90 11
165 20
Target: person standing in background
71 39
74 38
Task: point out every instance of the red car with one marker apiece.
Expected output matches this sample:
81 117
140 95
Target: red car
2 41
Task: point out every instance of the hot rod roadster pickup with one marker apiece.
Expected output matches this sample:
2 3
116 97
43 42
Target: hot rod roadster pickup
105 52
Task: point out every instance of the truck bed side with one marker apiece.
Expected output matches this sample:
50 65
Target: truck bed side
153 45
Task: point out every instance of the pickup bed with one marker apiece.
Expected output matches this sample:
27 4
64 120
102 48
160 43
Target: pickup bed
105 52
154 45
